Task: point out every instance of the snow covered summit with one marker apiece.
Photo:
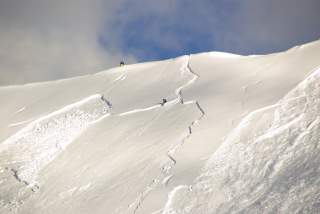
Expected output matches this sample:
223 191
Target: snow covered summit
238 134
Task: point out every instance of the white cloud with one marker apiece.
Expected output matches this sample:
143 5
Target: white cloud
45 40
271 25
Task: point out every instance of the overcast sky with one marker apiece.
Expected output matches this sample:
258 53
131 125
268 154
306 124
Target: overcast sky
51 39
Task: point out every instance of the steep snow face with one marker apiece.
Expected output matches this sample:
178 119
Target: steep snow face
231 86
228 88
114 165
268 164
42 140
106 143
27 152
70 150
129 87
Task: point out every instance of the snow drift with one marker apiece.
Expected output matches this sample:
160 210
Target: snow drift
237 135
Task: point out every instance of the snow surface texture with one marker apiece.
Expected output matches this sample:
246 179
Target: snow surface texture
268 164
43 139
33 147
104 143
38 146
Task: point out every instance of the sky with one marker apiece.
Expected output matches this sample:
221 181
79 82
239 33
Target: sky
44 40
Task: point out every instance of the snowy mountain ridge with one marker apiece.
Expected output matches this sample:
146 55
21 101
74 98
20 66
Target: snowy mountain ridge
105 142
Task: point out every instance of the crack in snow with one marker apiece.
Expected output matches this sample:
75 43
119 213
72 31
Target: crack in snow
268 164
41 132
165 176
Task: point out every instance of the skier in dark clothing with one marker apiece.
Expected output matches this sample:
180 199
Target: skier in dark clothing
121 63
163 102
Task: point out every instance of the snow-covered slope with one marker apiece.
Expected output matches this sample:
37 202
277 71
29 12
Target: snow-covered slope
268 164
104 144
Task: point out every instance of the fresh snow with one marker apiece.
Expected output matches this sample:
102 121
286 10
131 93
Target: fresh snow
237 135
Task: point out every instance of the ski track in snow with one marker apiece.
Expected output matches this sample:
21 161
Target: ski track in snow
165 176
20 123
20 110
44 138
134 111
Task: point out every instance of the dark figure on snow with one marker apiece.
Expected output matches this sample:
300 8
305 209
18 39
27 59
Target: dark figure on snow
121 63
163 102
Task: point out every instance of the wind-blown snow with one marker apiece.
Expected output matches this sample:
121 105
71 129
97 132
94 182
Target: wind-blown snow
106 143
